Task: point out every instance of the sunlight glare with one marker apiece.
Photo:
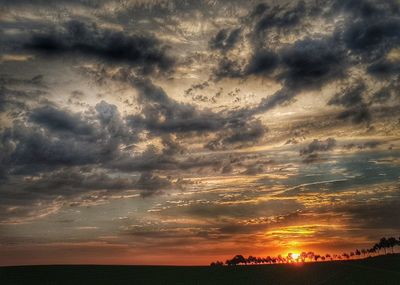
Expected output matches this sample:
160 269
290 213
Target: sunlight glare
295 255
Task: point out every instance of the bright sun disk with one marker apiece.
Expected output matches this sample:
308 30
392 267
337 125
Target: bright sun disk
295 255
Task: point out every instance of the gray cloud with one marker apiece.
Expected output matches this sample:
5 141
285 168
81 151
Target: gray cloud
372 39
317 146
282 17
262 62
315 60
144 52
384 69
225 39
57 120
50 137
310 63
152 184
349 97
242 133
161 114
375 216
67 186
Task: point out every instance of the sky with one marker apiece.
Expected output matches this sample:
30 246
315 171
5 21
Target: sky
183 132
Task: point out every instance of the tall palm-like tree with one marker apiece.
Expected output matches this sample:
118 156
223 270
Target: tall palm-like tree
383 243
364 251
391 242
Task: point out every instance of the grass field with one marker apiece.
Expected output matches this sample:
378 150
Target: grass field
377 270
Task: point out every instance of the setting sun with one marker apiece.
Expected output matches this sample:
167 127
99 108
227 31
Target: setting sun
295 255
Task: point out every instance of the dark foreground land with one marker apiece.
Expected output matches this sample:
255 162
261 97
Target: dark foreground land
377 270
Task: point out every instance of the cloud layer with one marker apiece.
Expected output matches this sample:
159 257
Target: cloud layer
198 128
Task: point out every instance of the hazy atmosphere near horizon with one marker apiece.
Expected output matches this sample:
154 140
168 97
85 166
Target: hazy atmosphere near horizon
182 132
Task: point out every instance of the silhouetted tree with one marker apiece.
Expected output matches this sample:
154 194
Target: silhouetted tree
217 263
383 243
237 259
376 248
251 259
392 242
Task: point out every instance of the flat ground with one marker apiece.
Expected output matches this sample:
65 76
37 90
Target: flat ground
378 270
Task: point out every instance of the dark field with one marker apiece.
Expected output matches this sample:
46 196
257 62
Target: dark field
378 270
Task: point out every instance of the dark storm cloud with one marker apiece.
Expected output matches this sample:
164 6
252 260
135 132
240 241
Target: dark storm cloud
35 81
11 99
310 63
374 215
111 119
369 144
67 186
242 134
307 64
58 120
278 16
144 52
352 99
384 94
262 62
36 149
384 69
17 94
73 182
281 96
370 29
372 39
44 3
317 146
349 97
55 138
358 114
216 210
162 114
370 32
153 160
246 132
366 9
225 39
151 184
313 158
228 68
254 169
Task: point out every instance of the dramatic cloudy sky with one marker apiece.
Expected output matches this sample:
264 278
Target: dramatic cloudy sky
181 132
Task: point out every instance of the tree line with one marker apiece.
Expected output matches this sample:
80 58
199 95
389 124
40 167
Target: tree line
384 246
